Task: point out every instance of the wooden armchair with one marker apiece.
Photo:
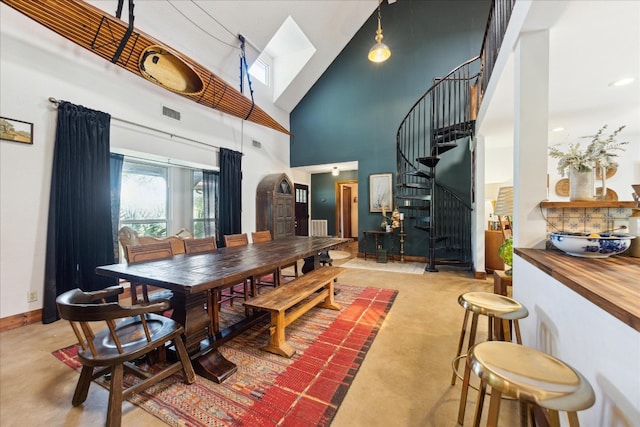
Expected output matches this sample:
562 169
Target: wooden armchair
130 333
148 252
265 236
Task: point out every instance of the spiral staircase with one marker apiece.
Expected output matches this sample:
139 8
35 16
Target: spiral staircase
438 122
442 119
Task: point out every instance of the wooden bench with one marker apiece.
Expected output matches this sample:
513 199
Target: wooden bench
318 282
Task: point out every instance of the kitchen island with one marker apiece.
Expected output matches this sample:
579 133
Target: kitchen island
586 312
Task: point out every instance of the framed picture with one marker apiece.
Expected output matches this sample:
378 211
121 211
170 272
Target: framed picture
16 130
380 192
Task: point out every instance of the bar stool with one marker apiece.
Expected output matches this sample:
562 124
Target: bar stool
505 309
531 376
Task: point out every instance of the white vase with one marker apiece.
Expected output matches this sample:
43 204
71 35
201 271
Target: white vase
581 185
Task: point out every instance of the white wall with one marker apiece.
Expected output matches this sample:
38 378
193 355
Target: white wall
36 64
602 348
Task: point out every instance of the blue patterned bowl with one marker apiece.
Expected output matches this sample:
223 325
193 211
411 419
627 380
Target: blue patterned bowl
589 246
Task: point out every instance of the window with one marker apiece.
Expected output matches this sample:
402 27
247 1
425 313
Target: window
301 195
161 199
260 70
143 198
205 190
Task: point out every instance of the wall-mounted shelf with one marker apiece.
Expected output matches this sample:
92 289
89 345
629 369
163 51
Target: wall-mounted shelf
590 204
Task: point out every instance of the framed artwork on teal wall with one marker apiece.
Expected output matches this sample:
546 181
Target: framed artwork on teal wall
380 192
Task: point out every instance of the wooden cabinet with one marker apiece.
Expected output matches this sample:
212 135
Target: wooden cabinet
275 206
493 239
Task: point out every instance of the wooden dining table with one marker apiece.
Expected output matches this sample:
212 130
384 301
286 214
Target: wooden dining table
192 277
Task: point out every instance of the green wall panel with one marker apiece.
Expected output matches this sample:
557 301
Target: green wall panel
353 111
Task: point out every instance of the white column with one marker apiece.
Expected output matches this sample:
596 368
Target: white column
478 222
531 103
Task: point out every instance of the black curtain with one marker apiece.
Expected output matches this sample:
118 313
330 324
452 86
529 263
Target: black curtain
210 200
79 233
115 174
230 208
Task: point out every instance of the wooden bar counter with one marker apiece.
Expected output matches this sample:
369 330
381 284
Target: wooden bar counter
586 312
612 284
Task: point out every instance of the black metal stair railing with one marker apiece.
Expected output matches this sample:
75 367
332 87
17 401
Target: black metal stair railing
434 125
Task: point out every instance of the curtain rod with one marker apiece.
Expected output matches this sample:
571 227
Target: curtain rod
171 135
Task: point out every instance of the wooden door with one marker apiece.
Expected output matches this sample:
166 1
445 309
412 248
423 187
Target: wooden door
284 216
301 210
346 211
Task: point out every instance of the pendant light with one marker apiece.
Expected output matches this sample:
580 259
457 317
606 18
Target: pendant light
379 52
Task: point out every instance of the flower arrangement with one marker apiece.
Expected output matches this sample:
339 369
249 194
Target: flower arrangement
599 153
393 220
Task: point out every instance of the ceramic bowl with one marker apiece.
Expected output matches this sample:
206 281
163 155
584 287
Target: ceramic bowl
589 246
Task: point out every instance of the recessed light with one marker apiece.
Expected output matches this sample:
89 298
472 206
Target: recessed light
558 129
623 82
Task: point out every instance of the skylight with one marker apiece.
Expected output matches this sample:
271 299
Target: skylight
289 51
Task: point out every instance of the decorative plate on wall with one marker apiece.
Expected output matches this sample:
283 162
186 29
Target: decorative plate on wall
562 187
611 195
609 174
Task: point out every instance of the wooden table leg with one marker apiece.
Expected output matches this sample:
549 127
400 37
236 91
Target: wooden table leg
192 311
214 366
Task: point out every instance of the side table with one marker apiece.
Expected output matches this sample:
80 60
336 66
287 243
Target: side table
378 243
500 282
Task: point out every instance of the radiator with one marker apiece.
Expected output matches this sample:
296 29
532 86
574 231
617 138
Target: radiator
319 227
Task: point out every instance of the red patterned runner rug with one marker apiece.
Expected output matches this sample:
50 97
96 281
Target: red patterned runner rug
270 390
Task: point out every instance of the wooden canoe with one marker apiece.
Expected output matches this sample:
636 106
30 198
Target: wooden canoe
112 39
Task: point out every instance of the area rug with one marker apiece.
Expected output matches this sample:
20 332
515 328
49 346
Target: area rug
270 390
339 254
391 266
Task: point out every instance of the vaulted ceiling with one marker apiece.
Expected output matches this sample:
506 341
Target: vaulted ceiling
207 32
593 42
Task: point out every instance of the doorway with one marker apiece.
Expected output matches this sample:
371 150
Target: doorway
346 193
301 223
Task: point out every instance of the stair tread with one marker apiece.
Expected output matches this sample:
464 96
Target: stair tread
430 161
462 126
420 173
415 185
415 197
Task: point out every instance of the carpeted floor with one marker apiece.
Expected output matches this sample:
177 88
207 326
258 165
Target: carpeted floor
270 390
391 266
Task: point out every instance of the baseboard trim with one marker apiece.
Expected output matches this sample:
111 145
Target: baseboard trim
23 319
19 320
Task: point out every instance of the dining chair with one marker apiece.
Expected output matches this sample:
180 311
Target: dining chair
148 252
217 296
265 236
130 333
202 245
233 240
214 299
261 236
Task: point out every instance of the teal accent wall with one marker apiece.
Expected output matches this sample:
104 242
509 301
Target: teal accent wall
353 111
323 196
